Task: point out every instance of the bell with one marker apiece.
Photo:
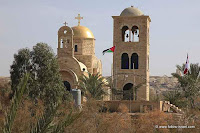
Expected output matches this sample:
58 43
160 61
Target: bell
138 35
127 36
136 32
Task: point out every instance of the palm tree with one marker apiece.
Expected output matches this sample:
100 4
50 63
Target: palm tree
189 83
92 86
175 97
11 114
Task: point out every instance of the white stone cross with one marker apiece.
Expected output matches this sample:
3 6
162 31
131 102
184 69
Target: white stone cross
65 23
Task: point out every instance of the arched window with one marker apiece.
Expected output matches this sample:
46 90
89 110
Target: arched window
135 34
125 34
124 61
75 48
134 61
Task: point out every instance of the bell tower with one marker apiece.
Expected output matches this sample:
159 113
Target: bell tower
131 56
65 41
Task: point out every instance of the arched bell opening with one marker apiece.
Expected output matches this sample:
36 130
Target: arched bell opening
125 34
135 34
61 43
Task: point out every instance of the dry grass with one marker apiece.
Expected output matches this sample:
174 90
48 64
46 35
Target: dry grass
93 120
123 108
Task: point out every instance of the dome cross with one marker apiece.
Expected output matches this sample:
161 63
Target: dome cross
79 19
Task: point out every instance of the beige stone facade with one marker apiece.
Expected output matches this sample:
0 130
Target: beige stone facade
131 56
76 54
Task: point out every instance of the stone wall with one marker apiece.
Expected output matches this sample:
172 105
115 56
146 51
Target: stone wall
134 106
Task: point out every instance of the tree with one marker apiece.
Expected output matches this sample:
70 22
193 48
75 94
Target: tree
175 97
20 65
47 122
92 86
45 81
189 83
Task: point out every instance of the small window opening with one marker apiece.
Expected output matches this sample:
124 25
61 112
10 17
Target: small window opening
76 48
65 31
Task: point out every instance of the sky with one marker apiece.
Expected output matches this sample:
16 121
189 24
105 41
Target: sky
174 29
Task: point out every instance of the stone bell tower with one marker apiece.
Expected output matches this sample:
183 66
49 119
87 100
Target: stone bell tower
131 56
65 41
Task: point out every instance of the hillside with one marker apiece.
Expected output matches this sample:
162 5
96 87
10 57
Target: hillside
162 83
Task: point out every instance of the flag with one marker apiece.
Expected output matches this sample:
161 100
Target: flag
110 50
186 65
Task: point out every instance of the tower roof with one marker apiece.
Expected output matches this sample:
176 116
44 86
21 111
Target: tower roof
131 11
82 32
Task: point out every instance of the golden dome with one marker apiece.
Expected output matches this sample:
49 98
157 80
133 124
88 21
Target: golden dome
82 32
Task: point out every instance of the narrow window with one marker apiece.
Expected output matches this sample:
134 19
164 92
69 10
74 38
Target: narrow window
124 61
76 48
134 61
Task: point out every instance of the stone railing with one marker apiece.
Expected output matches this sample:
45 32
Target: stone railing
166 106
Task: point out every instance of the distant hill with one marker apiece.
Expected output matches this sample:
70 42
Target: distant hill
4 81
159 84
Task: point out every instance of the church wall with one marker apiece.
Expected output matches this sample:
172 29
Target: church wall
97 65
78 42
88 47
69 64
66 76
135 106
87 60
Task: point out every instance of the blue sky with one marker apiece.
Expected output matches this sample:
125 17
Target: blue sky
174 30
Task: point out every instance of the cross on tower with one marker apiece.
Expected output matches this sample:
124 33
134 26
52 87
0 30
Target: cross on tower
79 18
65 23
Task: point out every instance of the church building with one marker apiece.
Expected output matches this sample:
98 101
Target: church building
130 73
76 53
